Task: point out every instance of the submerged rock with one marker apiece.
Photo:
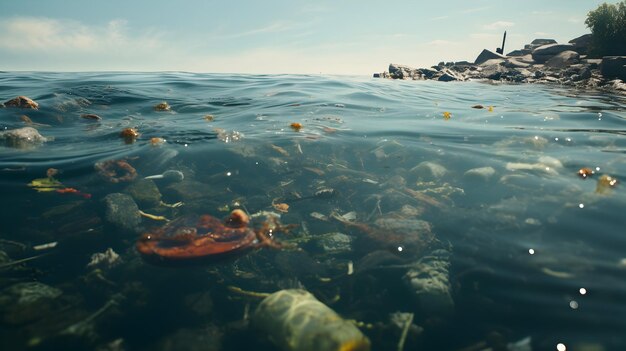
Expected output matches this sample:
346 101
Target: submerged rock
144 192
429 280
334 243
25 302
429 171
122 211
22 137
480 173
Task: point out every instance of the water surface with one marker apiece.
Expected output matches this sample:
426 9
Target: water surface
535 250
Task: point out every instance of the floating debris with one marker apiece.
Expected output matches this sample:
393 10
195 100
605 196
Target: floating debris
21 138
280 150
129 135
490 108
153 217
209 118
107 259
30 122
281 207
46 246
557 274
157 141
226 136
585 172
163 106
478 106
169 175
51 172
605 184
116 171
296 126
447 115
325 193
198 238
295 320
345 218
45 184
73 191
320 216
91 116
22 102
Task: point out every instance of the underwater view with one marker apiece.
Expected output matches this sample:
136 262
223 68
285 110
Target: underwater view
180 211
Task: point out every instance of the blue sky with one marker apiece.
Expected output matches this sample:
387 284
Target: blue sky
329 37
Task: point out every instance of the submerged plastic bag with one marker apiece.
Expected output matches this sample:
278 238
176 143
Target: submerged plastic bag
296 321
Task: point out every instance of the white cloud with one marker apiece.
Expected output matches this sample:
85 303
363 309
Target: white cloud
542 13
476 9
543 34
28 34
278 26
439 18
576 20
498 25
440 42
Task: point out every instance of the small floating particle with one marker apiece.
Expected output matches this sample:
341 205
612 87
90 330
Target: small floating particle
157 141
317 171
45 246
209 118
319 216
164 106
478 106
91 116
296 126
447 115
51 172
129 135
585 172
557 274
490 108
281 207
280 150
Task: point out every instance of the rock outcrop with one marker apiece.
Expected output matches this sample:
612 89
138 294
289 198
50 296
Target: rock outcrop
541 61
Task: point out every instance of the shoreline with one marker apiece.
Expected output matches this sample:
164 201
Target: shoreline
543 61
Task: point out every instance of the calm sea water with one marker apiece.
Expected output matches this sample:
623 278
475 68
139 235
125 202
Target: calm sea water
535 250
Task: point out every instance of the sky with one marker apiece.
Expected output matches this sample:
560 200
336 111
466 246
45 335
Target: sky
270 36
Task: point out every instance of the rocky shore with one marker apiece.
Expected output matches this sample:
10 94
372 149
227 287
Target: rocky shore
541 61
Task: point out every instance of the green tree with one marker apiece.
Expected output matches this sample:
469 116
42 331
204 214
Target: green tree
608 29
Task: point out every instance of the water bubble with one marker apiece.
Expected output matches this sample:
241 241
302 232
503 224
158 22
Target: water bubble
573 305
581 205
582 291
531 251
561 347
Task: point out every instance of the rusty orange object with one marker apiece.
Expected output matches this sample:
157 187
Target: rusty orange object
296 126
116 171
585 172
203 238
129 135
73 191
